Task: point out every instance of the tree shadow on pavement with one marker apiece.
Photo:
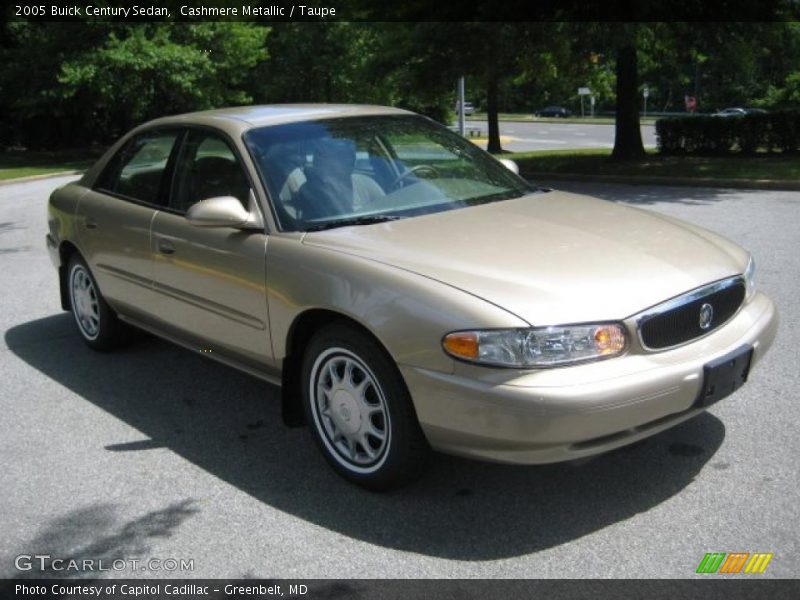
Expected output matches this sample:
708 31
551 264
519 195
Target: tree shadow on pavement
229 424
93 534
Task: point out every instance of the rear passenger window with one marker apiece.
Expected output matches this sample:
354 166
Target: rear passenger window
138 171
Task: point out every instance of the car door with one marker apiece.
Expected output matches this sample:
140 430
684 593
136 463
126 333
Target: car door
211 281
114 219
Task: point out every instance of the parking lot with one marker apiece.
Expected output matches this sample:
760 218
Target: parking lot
157 453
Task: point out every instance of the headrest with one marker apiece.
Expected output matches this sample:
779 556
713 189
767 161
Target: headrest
335 155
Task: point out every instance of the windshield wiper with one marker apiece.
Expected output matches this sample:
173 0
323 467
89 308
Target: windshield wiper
365 220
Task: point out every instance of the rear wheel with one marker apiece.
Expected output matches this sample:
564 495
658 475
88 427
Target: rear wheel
97 323
359 410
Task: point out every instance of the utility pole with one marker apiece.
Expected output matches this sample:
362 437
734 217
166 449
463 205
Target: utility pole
461 125
585 91
645 94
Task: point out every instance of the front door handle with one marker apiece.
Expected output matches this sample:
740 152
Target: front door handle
165 246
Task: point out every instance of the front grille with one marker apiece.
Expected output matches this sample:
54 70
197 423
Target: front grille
678 321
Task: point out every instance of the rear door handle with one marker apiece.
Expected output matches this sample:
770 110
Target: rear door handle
90 223
165 246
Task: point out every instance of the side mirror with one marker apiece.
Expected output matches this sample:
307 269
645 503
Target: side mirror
223 211
510 165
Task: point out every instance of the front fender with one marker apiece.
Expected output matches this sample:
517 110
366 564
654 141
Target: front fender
408 313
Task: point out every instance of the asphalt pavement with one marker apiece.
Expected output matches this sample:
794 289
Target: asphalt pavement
521 136
156 452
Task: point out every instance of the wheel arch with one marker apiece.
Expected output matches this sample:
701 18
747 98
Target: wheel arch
66 251
300 332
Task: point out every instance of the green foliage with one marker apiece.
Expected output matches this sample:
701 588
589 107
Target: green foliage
788 95
65 83
160 68
316 62
722 64
94 81
730 135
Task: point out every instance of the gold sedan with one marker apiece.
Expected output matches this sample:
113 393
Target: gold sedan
406 290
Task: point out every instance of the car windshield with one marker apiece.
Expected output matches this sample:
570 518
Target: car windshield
362 170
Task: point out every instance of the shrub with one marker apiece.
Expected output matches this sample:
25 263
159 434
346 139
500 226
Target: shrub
786 131
729 135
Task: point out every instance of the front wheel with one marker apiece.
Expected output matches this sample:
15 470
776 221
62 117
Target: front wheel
359 410
97 323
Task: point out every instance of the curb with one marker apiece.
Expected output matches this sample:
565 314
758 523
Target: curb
552 122
549 122
43 176
745 184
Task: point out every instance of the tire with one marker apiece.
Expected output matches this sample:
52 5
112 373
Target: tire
359 410
97 323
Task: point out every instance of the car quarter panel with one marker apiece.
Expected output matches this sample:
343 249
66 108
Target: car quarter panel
61 221
409 314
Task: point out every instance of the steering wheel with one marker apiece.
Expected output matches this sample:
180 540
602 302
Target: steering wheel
415 169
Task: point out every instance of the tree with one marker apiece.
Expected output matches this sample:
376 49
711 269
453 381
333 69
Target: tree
74 83
161 68
427 59
628 134
317 62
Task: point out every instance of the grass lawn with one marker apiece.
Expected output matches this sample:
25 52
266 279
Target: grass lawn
596 162
17 163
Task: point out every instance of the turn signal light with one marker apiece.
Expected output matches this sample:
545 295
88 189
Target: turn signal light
463 344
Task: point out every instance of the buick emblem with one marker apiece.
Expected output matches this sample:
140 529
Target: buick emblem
706 316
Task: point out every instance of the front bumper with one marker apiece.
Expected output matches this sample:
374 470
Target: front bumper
553 415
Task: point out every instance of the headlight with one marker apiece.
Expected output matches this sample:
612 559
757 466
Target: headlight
750 278
537 347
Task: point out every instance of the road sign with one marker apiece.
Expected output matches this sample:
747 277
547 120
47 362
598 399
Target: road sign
646 92
584 91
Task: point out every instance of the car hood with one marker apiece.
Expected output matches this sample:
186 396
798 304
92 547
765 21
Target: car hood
549 258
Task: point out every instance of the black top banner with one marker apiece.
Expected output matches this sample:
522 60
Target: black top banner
408 10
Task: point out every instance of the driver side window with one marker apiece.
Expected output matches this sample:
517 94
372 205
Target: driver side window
208 168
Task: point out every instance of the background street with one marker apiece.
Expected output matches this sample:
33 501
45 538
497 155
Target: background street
520 136
157 452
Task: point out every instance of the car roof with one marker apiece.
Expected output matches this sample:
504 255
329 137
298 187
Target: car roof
241 118
236 120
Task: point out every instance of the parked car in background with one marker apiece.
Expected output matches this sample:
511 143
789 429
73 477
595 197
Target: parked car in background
469 108
730 112
554 112
406 289
739 112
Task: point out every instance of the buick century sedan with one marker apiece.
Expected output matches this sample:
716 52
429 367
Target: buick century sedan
406 290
